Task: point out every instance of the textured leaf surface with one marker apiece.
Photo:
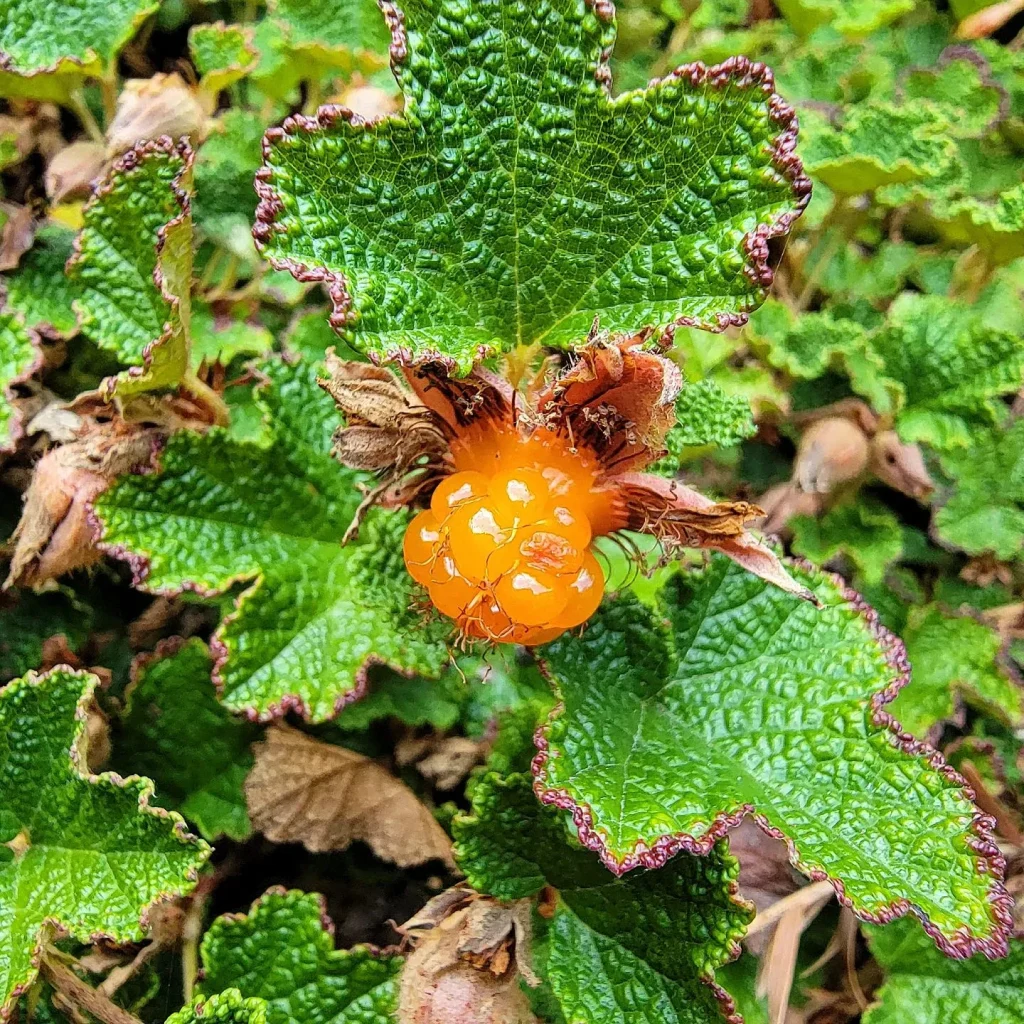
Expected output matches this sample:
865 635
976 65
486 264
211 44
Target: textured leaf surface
133 265
951 368
515 200
962 89
749 699
983 510
27 619
18 360
88 853
642 948
229 1007
39 290
282 951
864 531
72 39
314 614
924 987
345 34
996 225
222 54
878 144
172 713
953 657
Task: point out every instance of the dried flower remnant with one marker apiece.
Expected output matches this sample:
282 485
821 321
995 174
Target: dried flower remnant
520 484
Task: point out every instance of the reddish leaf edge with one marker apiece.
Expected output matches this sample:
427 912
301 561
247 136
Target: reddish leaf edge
961 945
738 72
220 648
53 927
125 164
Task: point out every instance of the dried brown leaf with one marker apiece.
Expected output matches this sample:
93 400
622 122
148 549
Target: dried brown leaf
70 174
150 107
326 797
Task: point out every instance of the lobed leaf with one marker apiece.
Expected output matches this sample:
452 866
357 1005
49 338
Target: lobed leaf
545 202
283 952
313 615
923 986
171 711
19 359
223 54
643 948
982 511
954 658
133 265
85 853
733 698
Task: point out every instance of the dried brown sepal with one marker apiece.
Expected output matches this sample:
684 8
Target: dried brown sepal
326 797
71 172
469 954
16 235
148 108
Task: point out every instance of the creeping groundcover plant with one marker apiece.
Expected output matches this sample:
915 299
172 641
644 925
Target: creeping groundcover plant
511 512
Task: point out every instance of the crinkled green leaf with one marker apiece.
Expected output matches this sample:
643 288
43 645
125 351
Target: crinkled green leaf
221 337
515 200
39 290
282 951
878 144
982 510
133 266
865 531
951 368
995 226
346 34
222 54
416 701
733 695
172 712
47 49
312 614
19 357
641 948
962 89
90 854
705 415
850 17
227 1007
953 657
924 987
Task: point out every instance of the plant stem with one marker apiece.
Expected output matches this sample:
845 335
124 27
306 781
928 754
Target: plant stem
191 383
84 114
79 994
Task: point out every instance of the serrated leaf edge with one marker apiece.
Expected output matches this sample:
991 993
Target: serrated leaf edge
990 861
77 756
740 72
125 164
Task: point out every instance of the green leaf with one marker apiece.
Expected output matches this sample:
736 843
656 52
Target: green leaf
848 17
733 697
982 510
47 49
282 951
172 712
133 266
705 415
313 615
416 701
924 987
19 359
223 54
515 200
996 226
349 34
953 657
642 949
90 854
865 531
27 619
39 291
220 337
228 1007
878 144
952 369
962 88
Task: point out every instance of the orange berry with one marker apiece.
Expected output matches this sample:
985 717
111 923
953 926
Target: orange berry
475 532
531 597
525 491
456 490
584 594
568 519
422 540
540 635
454 596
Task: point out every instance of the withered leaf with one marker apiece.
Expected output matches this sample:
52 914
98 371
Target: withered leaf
326 797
